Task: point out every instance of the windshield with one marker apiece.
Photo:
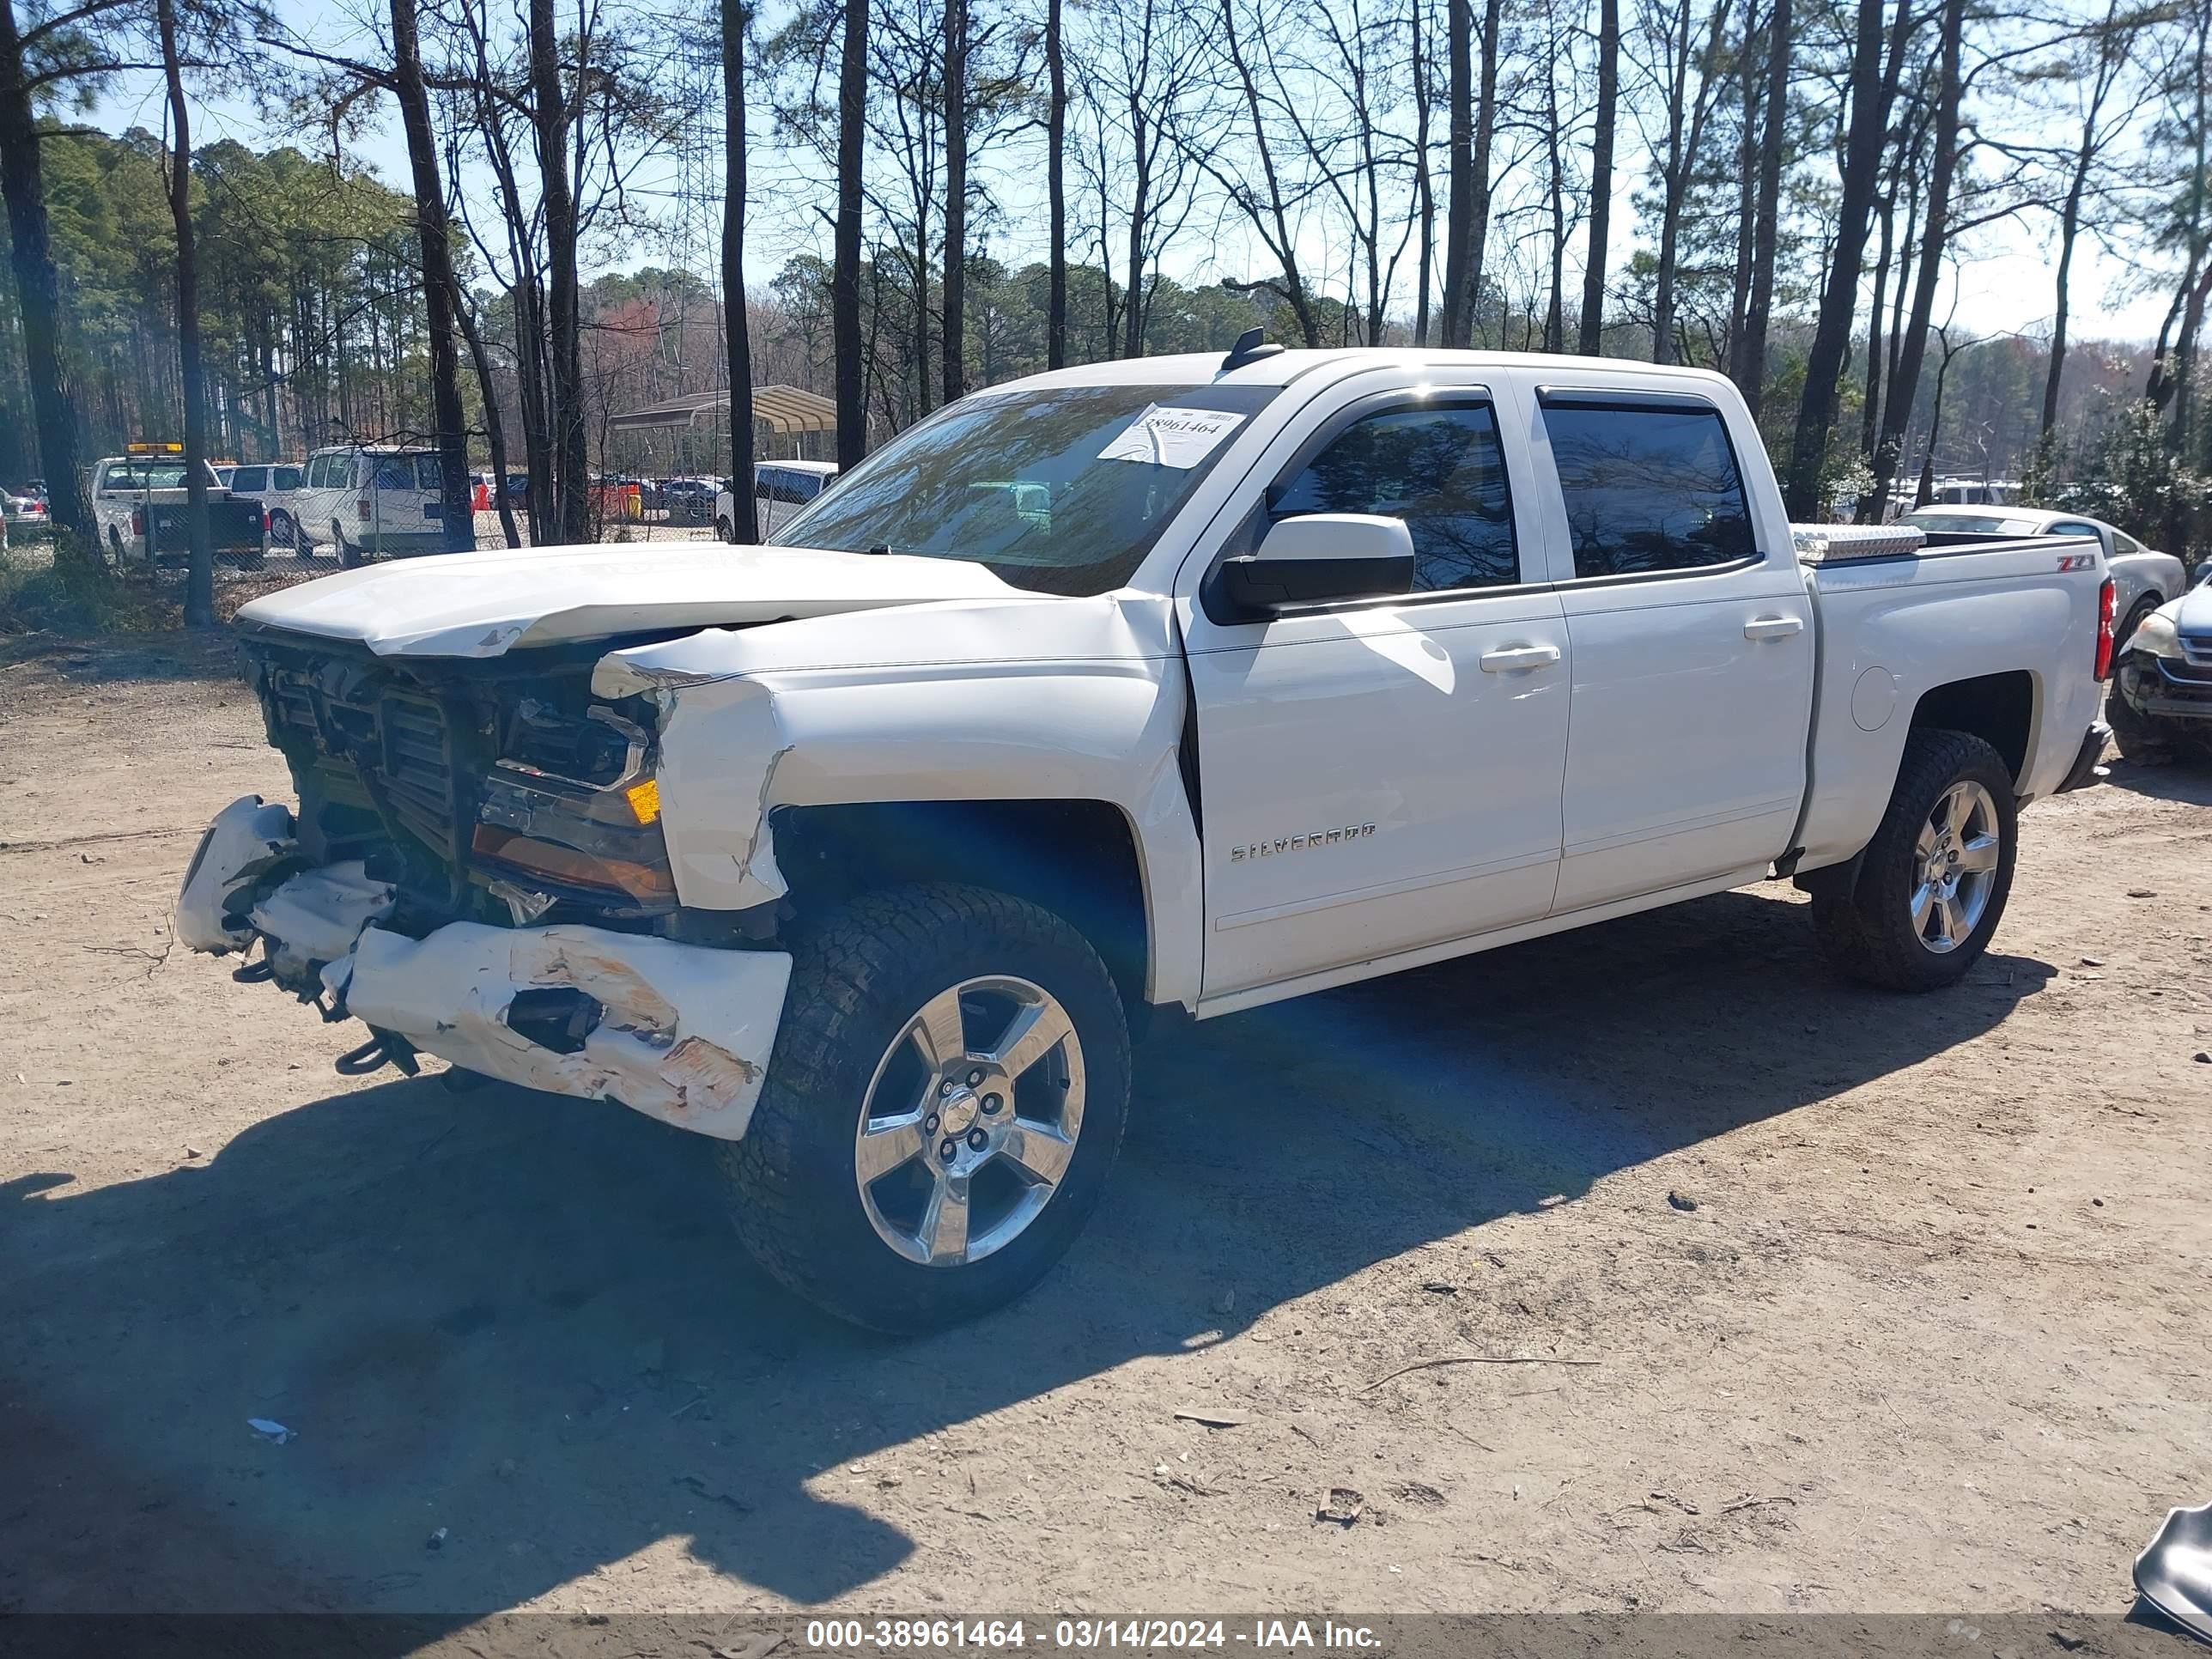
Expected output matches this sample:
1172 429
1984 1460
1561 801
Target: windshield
153 475
1062 489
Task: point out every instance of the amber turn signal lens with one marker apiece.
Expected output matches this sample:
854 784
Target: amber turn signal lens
644 799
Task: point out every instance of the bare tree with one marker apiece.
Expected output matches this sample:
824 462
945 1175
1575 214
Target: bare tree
1873 85
199 581
1684 74
2093 69
956 199
845 275
736 324
1424 209
23 77
442 295
550 120
1601 189
1473 126
1943 169
1750 372
1055 171
1269 210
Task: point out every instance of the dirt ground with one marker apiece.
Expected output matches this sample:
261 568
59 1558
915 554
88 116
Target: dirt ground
1823 1299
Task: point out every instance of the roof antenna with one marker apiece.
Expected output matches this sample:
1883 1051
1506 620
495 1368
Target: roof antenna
1251 346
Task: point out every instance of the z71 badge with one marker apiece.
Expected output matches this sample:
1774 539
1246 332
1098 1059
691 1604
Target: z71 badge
2075 561
1268 849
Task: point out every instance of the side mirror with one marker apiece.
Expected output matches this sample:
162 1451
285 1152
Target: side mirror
1319 558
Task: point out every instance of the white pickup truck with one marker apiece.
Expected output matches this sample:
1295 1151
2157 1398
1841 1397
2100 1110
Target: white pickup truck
1176 685
141 506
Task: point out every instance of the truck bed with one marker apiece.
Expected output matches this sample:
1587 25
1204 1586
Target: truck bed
1891 618
234 525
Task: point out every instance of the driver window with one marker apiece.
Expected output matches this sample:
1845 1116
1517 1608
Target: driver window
1440 471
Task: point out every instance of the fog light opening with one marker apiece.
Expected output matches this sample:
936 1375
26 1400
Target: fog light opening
557 1017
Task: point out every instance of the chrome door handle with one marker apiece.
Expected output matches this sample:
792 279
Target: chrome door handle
1509 658
1774 627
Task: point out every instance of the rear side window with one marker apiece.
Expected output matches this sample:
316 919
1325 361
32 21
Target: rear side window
1649 488
288 477
1439 470
428 475
249 478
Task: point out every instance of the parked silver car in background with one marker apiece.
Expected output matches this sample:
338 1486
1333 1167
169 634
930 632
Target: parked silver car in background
2143 579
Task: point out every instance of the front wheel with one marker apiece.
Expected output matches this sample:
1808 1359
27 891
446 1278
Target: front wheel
1933 882
2148 739
725 531
944 1101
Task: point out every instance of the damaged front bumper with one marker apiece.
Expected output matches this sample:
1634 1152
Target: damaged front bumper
680 1032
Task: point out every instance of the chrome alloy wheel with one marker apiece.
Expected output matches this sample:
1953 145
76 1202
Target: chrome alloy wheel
1956 867
970 1121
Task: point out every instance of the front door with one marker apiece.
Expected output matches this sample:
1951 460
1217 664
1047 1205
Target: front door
1384 774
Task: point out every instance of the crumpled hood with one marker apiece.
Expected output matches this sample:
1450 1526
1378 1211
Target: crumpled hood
484 605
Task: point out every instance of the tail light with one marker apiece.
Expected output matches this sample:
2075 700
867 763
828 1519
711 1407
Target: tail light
361 509
2105 600
137 521
264 520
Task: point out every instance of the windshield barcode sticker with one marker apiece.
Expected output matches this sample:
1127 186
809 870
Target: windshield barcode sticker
1171 437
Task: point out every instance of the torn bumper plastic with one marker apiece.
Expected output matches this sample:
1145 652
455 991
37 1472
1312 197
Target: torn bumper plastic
680 1032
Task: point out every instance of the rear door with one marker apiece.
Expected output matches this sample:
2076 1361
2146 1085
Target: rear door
318 505
429 492
1692 645
1384 775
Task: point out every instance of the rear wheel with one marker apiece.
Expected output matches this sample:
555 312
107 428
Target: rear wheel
724 531
348 554
947 1096
1933 882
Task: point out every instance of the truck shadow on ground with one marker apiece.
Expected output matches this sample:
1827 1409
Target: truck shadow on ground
2186 782
524 1320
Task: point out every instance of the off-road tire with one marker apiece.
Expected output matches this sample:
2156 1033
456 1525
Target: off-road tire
1866 932
858 975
